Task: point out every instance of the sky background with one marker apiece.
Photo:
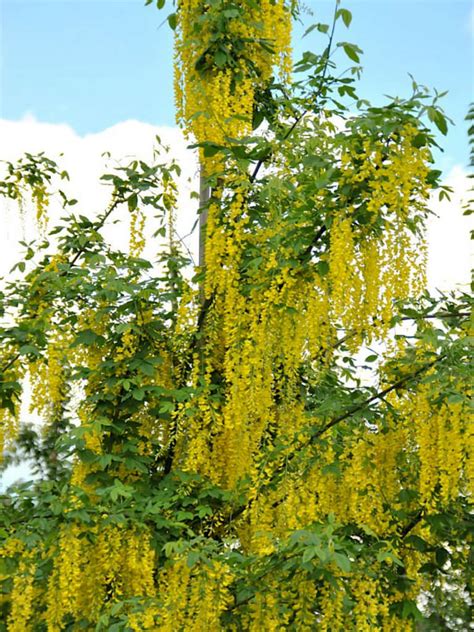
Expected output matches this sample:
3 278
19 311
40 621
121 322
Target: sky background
94 63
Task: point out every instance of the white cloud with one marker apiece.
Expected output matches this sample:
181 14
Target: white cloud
83 160
448 234
449 261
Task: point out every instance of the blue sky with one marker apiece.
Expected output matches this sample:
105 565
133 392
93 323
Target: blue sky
94 63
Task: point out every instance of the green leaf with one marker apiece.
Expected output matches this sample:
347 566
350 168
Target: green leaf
232 13
211 149
345 15
332 468
132 202
309 553
322 267
441 123
433 176
88 337
420 140
343 562
166 407
147 369
138 394
438 118
352 52
123 327
322 28
193 558
173 20
442 556
204 511
388 556
29 349
220 58
417 543
410 610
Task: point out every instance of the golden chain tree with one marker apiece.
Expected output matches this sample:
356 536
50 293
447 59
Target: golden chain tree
221 449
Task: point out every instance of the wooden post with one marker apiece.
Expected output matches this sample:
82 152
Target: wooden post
204 196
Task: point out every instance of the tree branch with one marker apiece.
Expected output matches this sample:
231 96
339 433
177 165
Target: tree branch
403 380
438 315
5 368
417 518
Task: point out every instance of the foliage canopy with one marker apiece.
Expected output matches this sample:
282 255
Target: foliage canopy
279 438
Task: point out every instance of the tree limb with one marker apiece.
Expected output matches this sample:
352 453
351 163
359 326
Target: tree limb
381 394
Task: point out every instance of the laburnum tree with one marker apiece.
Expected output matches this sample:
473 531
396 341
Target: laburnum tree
276 439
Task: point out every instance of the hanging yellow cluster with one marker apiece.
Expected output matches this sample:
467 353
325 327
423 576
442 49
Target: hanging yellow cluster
189 598
137 232
138 217
22 596
369 269
12 372
40 197
444 440
223 55
257 343
8 429
91 566
47 377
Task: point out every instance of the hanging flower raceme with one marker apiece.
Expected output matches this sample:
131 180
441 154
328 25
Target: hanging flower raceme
377 252
223 54
12 373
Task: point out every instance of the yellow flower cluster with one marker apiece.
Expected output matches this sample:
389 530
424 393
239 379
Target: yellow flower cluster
138 217
332 613
303 604
8 429
40 197
9 418
22 597
104 564
442 436
265 613
368 273
137 232
215 89
192 599
364 591
47 378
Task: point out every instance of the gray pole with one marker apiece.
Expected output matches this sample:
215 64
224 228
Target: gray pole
204 195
